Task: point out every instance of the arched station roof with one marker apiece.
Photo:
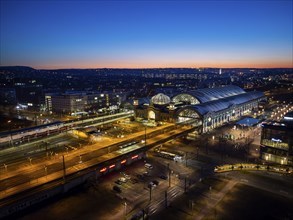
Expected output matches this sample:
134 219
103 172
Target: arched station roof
211 94
160 99
224 103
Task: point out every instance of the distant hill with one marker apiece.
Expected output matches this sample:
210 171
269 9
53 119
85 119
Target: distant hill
17 68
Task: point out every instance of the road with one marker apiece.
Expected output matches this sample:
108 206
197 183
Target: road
16 178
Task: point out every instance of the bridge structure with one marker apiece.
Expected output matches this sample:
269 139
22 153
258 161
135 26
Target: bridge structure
16 137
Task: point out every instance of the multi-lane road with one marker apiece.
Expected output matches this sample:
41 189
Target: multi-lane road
24 173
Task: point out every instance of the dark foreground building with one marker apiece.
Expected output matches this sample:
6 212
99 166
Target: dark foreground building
277 140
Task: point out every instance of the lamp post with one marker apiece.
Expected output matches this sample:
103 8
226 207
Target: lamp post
5 167
145 137
9 123
166 199
150 186
30 160
169 174
125 209
46 170
64 169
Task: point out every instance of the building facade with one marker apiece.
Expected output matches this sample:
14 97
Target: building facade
69 103
277 140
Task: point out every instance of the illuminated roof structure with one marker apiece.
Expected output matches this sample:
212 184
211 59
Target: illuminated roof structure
204 109
210 94
225 103
160 99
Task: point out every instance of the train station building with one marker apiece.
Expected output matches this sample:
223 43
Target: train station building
204 109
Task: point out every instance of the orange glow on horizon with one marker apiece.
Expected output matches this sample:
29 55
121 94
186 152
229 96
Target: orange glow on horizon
169 65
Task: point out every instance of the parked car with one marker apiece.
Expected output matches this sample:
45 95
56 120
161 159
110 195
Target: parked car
118 182
148 166
134 181
146 174
117 189
156 182
123 179
151 185
140 177
163 177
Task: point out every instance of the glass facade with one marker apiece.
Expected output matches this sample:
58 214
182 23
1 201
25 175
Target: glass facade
276 143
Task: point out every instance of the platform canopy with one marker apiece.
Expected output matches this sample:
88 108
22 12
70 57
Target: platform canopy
248 121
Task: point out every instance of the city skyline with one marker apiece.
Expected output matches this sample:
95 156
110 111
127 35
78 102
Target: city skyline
147 34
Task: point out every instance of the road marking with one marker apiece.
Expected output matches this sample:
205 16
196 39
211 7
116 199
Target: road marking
281 191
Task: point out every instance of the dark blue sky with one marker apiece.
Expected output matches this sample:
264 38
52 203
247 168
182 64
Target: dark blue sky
56 34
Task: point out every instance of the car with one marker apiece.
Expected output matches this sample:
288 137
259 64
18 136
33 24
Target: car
163 177
151 185
127 176
134 181
117 189
148 166
146 174
123 179
140 177
118 182
156 182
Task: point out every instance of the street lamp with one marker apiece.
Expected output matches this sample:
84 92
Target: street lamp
46 170
169 174
5 167
145 136
9 123
30 159
125 209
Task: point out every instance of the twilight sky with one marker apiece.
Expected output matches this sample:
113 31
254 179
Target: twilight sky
136 34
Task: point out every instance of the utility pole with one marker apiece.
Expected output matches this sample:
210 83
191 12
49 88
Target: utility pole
145 137
64 169
150 192
169 172
46 170
166 199
125 209
143 214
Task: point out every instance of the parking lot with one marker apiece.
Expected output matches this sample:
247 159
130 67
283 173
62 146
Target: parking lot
140 187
